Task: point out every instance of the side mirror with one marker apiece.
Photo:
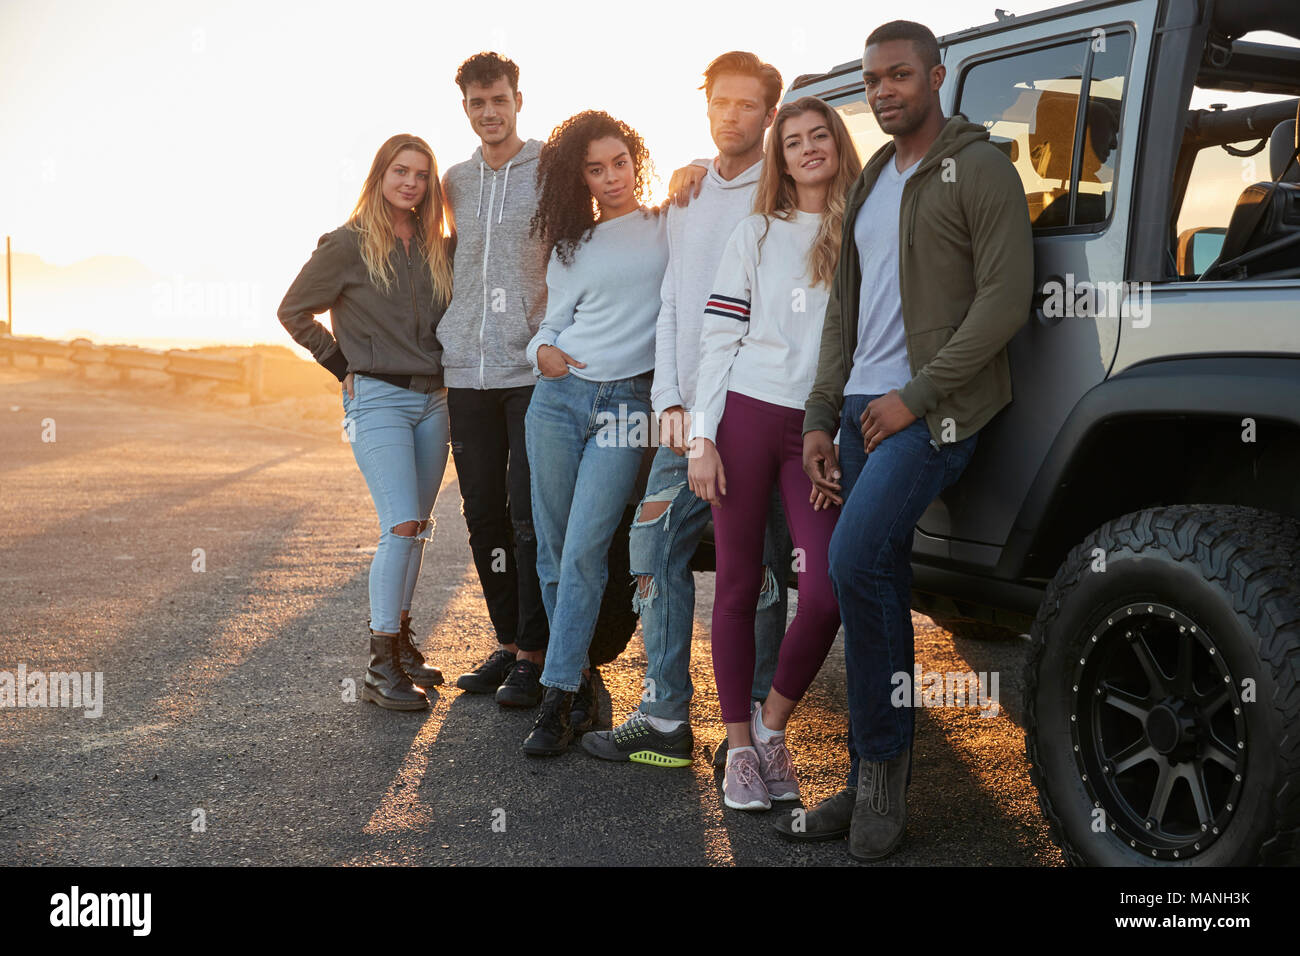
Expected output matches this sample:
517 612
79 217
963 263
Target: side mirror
1198 249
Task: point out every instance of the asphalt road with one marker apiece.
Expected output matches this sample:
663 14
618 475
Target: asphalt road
226 737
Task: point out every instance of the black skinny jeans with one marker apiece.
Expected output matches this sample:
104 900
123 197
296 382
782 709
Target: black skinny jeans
487 443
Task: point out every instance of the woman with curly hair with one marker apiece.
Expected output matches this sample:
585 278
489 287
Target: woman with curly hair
588 421
385 277
758 357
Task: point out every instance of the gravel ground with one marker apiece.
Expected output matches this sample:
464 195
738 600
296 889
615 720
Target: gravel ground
226 737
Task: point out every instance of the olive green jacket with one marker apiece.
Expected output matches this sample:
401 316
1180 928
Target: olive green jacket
966 274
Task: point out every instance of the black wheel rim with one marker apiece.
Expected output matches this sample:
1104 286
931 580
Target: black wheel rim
1158 731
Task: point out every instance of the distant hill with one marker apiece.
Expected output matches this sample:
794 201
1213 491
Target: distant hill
120 299
99 271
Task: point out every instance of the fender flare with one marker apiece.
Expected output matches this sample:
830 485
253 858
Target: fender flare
1221 386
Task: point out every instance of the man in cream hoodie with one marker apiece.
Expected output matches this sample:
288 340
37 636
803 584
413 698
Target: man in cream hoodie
498 302
742 93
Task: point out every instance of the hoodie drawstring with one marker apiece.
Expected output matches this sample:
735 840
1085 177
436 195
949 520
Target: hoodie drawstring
504 186
480 191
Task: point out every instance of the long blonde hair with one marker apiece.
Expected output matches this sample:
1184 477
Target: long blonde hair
373 220
776 197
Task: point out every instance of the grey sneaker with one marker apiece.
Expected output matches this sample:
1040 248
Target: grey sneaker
829 820
742 785
637 740
774 761
880 810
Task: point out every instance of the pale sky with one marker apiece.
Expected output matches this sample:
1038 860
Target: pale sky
214 143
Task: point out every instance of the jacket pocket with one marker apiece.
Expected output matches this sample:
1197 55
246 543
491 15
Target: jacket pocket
923 346
458 343
516 335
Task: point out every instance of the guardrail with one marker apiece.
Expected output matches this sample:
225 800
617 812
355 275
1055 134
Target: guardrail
245 370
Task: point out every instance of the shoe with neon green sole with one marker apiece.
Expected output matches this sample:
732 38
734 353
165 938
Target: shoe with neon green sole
636 740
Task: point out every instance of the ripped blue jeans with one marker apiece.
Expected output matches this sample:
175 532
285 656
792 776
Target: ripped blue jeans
400 441
662 548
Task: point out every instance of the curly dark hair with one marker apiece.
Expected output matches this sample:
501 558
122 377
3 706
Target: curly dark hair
566 210
485 69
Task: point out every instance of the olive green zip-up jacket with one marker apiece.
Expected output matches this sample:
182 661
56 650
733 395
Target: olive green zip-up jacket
966 275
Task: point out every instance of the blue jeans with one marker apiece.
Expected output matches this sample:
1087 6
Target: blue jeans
399 438
885 495
662 548
585 442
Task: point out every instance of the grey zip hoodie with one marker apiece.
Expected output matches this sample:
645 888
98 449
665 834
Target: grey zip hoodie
499 297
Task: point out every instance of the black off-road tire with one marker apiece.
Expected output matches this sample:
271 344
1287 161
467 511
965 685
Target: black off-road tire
617 621
1207 599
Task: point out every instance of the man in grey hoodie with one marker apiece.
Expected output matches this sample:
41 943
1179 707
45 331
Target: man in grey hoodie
498 302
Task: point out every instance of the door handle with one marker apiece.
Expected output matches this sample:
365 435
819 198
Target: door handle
1054 285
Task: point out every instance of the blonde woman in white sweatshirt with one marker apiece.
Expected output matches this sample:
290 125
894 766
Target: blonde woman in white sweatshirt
758 359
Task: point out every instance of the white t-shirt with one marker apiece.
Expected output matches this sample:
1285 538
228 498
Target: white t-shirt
880 358
763 323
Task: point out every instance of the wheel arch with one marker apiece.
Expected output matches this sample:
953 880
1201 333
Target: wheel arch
1173 431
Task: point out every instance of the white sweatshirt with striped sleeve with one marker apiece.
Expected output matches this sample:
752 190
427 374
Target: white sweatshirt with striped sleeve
763 323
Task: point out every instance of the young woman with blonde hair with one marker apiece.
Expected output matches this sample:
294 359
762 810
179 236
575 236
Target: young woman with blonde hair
758 358
385 277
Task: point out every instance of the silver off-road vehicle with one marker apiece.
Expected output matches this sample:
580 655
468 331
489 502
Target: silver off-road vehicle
1136 507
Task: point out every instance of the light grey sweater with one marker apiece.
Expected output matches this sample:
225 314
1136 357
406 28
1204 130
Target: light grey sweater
601 308
499 294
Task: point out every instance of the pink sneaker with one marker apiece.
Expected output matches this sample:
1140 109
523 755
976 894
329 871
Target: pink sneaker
742 785
774 762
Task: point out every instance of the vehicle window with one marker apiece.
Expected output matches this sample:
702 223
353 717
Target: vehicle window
1029 102
1217 180
1101 136
1218 177
862 126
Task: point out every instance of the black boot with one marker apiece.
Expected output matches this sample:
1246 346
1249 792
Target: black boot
583 711
412 660
386 683
522 686
552 733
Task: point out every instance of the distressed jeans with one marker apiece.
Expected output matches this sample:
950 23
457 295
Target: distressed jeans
585 443
885 494
662 548
399 438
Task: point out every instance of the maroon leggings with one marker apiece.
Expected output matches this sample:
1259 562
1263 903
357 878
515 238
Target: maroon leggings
759 444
